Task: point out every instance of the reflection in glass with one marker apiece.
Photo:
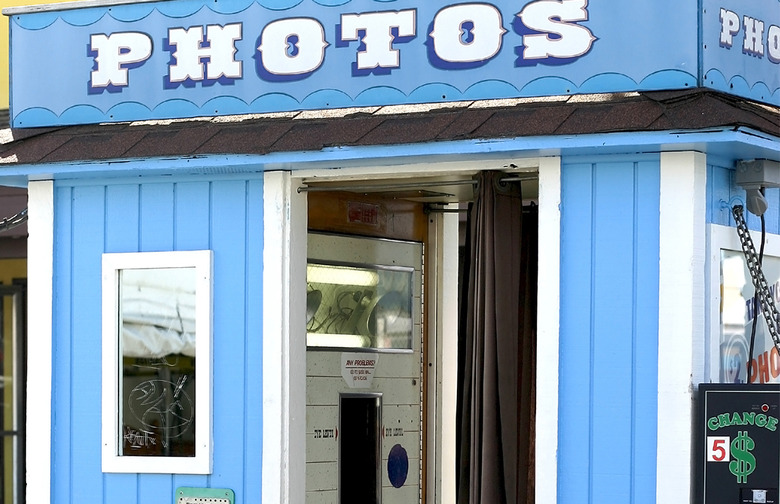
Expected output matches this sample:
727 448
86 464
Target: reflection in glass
157 324
737 313
351 306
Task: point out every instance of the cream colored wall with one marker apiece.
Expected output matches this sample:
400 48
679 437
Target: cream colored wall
4 86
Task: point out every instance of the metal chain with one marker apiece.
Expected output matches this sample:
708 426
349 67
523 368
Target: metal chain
768 308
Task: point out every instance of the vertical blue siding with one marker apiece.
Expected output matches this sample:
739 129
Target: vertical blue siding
225 215
721 188
609 332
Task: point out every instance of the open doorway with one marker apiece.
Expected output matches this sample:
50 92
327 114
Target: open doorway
13 341
431 211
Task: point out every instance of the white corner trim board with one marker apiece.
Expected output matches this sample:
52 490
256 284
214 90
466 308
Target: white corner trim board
40 274
548 325
681 319
284 354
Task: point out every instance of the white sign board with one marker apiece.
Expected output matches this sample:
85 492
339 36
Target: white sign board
357 369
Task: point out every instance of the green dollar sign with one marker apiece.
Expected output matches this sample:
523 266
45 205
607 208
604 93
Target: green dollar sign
744 462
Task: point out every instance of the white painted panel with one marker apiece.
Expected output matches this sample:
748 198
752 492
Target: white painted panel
388 364
403 495
322 476
394 390
283 343
396 376
681 316
326 497
548 330
40 275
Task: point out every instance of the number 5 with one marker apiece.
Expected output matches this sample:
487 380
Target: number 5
718 449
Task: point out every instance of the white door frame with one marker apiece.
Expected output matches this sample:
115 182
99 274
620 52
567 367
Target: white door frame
284 346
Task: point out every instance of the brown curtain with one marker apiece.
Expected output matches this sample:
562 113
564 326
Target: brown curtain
497 347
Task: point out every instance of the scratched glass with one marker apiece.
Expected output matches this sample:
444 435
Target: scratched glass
157 386
358 306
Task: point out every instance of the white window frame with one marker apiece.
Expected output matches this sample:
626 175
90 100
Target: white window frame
112 462
725 238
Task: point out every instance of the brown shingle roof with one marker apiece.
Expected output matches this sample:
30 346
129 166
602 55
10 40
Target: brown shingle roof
649 111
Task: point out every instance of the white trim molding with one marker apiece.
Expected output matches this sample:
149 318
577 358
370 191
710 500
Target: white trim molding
197 266
547 329
284 341
40 276
681 318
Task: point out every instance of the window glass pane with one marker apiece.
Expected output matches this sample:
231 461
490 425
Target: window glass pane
158 362
736 322
355 306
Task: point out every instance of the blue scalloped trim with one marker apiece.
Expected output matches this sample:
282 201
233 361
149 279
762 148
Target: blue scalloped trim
544 86
80 114
435 92
279 4
224 105
175 108
739 86
127 111
668 79
488 89
37 21
130 13
230 6
272 102
179 9
379 95
327 98
333 3
607 83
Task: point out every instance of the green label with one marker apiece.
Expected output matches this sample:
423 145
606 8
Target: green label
743 463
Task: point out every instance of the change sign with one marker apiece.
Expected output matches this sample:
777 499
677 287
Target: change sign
739 439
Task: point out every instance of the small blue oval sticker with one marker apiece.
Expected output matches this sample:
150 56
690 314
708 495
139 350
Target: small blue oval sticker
397 466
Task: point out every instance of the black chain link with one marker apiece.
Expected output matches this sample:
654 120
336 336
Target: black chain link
768 308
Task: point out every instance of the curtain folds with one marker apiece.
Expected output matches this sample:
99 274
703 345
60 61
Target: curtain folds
497 348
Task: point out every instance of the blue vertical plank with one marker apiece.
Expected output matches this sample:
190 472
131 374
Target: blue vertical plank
772 215
156 231
253 398
719 189
613 240
645 362
122 218
156 217
154 489
88 219
62 334
192 203
574 462
121 235
229 228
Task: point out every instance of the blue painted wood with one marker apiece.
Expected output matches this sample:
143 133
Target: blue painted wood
719 188
645 330
156 224
121 235
85 365
574 462
722 188
609 326
125 216
228 221
61 350
611 355
253 356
